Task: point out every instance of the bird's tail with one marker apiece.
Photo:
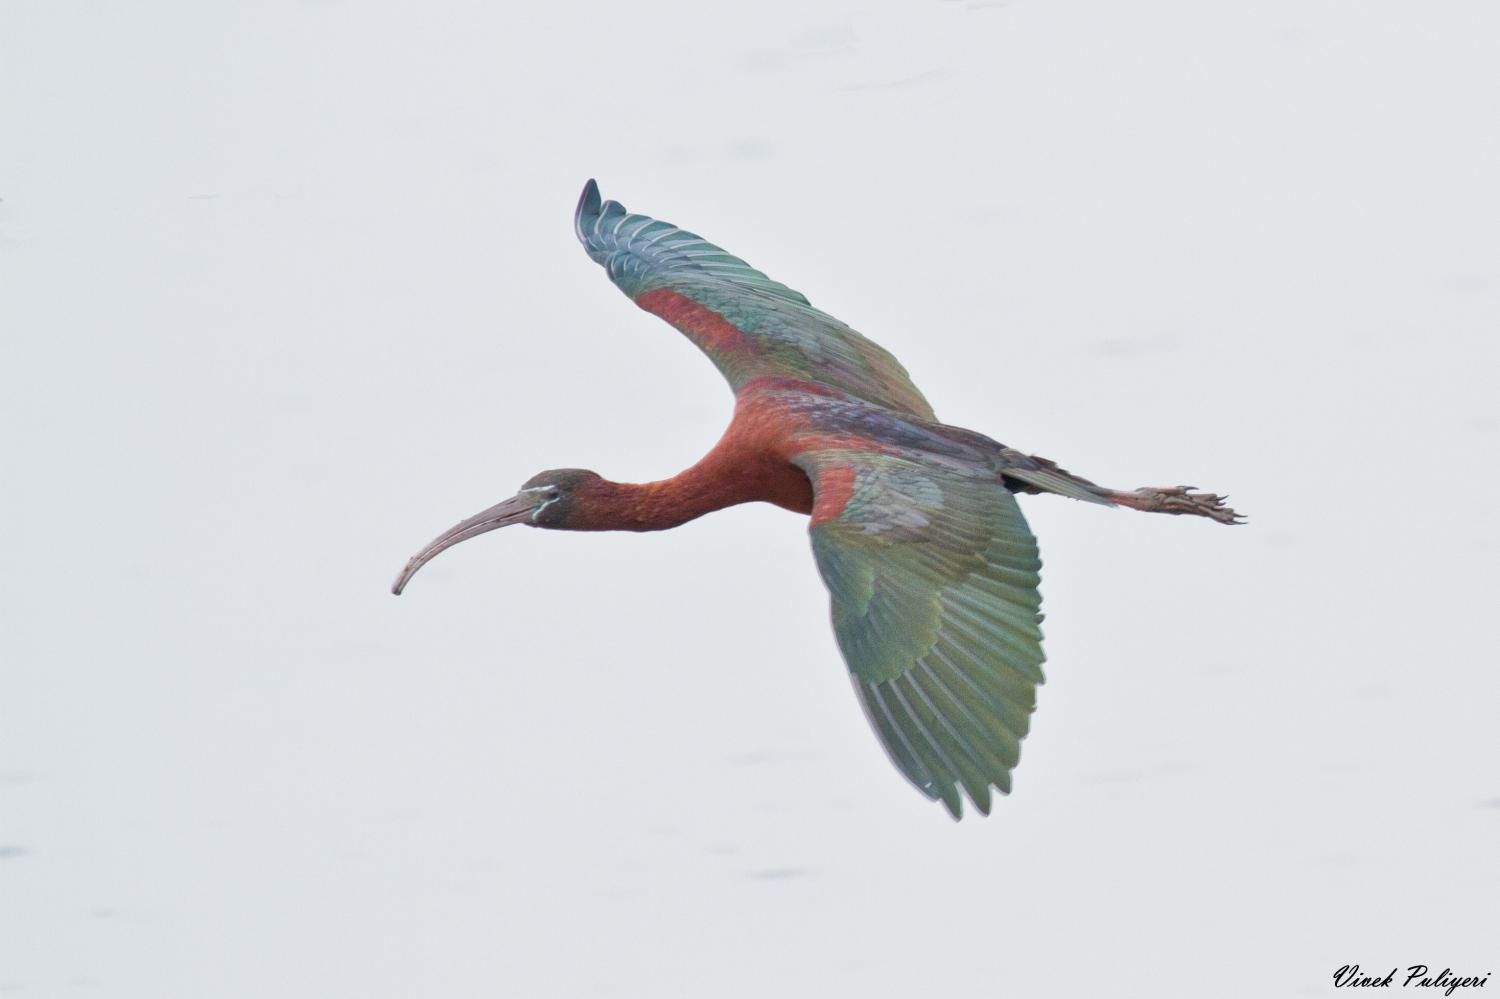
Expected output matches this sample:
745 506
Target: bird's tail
1025 473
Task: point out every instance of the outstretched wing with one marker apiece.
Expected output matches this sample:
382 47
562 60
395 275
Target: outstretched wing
749 326
933 575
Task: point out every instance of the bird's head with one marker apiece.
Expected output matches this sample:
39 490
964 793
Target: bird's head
547 499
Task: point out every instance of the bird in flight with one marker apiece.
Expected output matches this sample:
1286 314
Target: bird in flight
915 527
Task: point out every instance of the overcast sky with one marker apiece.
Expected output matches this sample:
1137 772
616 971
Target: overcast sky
287 288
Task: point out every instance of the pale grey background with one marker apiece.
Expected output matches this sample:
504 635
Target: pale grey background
286 288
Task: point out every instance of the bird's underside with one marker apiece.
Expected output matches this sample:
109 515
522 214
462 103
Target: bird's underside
915 527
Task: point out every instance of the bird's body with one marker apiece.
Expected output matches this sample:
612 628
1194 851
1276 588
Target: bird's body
779 427
914 525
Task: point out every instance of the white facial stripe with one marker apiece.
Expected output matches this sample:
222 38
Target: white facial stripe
541 489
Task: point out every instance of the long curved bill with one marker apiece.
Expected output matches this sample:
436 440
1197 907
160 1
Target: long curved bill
511 511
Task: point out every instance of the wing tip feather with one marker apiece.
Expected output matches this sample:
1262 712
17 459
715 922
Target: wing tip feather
589 206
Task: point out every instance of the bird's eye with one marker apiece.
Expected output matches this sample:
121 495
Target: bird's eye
554 494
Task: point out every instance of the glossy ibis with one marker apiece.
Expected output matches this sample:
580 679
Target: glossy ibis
915 526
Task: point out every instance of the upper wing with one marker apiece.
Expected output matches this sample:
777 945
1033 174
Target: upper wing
933 575
749 326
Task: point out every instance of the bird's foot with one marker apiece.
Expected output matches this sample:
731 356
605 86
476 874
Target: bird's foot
1179 500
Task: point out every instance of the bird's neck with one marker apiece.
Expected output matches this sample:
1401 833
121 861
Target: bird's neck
657 506
723 478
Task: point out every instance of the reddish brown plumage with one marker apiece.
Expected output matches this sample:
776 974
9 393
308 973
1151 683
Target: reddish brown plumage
707 328
749 464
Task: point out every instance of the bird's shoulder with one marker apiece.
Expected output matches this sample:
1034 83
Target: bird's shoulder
811 418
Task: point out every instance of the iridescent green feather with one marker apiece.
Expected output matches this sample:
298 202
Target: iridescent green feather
784 336
933 575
